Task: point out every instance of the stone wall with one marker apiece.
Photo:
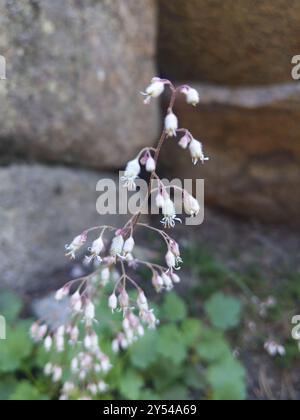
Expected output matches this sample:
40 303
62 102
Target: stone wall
74 72
238 54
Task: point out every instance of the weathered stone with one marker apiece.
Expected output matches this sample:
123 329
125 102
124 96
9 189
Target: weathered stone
228 42
253 143
41 210
74 72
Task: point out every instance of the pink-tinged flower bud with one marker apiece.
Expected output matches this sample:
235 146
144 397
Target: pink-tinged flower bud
192 96
60 343
115 346
75 246
93 389
142 301
89 311
88 342
124 343
68 387
150 164
128 246
76 302
167 282
105 364
57 374
60 331
38 332
117 245
154 90
140 330
174 247
157 282
196 151
74 365
170 259
131 173
171 124
123 299
159 200
126 324
150 319
191 205
102 386
97 368
184 141
62 293
168 208
113 302
74 334
129 335
48 343
95 250
175 278
48 369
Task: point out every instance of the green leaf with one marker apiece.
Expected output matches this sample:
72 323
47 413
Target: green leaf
227 380
213 346
26 392
130 385
174 309
224 312
170 344
193 377
149 395
14 349
144 351
7 387
177 392
164 374
191 330
10 306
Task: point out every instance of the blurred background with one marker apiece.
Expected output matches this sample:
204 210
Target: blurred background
70 114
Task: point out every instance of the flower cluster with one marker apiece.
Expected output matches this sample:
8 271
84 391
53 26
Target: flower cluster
112 251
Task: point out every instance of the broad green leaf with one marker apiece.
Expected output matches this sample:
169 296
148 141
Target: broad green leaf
27 392
149 395
130 385
191 330
7 387
144 351
194 378
174 309
170 344
213 346
14 349
224 312
10 306
164 374
227 380
177 392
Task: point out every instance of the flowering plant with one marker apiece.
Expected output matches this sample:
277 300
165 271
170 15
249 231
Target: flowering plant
90 363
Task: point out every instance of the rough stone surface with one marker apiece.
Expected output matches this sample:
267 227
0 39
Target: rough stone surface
229 42
74 72
41 210
254 149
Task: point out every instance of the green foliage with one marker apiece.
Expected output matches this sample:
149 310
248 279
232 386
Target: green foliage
224 312
227 379
17 356
184 358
